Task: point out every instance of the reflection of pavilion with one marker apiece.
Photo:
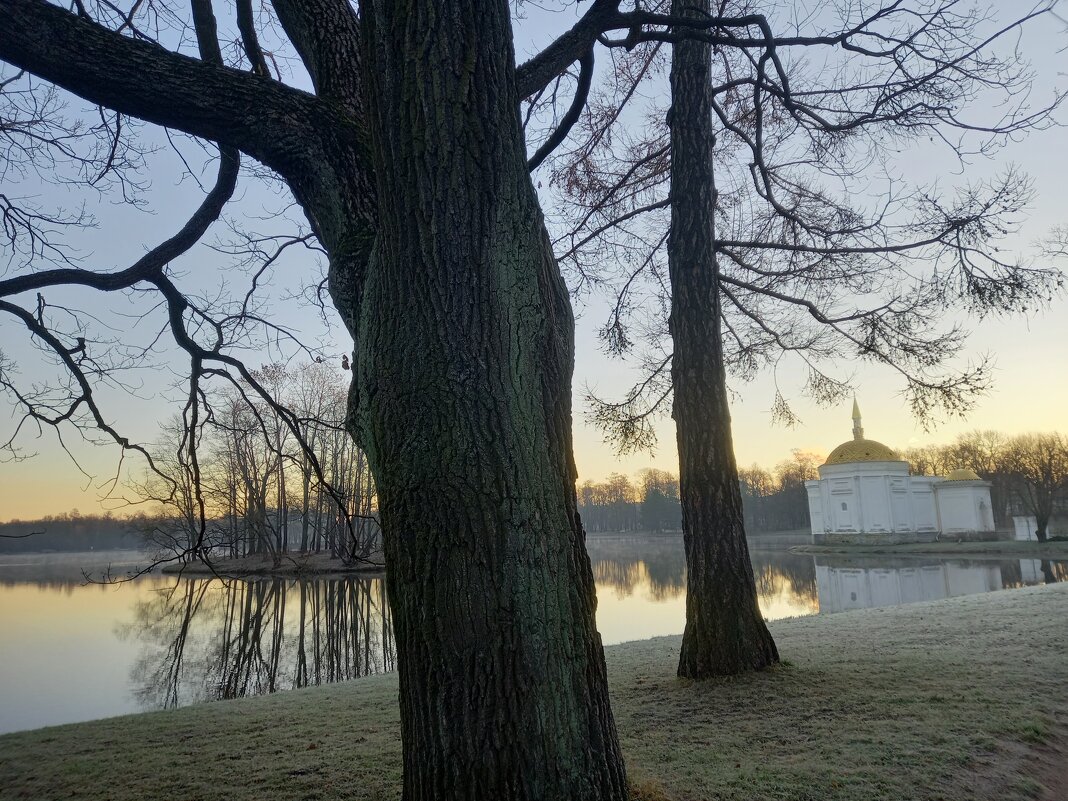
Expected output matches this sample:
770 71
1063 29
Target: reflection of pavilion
844 584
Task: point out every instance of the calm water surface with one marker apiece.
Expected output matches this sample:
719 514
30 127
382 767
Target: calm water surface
74 651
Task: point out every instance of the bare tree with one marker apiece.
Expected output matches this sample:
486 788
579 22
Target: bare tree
1038 466
823 253
771 254
725 631
413 177
257 478
984 452
610 505
660 507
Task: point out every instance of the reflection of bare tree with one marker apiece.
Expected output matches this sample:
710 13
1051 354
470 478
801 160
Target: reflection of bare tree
1051 572
1012 575
164 619
206 639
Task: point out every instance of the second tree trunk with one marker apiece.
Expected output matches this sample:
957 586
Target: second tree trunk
725 631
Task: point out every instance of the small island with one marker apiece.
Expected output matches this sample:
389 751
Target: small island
292 564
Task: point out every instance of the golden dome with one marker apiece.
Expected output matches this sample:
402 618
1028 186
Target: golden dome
859 449
963 474
862 450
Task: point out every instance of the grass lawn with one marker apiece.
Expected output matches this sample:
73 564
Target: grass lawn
960 699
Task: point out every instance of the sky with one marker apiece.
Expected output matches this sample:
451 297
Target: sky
1030 353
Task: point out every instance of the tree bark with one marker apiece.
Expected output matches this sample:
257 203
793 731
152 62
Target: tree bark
725 631
441 268
464 362
1041 524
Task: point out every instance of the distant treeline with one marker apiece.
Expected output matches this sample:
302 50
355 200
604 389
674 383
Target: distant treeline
68 532
619 504
773 500
266 499
1028 475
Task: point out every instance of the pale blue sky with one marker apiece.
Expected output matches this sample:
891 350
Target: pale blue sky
1031 354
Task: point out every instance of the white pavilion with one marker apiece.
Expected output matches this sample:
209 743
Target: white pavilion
865 494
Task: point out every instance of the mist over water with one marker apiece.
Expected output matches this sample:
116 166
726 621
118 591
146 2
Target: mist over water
75 651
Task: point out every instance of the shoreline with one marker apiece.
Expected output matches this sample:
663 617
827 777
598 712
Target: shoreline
296 565
958 699
1057 549
290 565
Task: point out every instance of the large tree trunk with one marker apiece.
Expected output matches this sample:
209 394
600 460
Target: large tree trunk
461 390
725 632
462 401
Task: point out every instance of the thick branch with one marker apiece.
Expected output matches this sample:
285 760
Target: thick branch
154 260
326 34
537 73
270 121
578 102
246 23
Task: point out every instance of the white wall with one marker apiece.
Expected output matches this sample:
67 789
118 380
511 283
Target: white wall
922 502
815 505
882 498
1025 527
964 506
875 502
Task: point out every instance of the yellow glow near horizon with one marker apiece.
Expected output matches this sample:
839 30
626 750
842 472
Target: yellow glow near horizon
50 484
1030 394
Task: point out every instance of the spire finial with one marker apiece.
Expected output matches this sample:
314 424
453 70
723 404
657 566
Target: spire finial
858 430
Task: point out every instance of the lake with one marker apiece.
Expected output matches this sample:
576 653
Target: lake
74 651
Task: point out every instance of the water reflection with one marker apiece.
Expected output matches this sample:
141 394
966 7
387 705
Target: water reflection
641 585
629 569
654 567
67 572
786 584
186 640
209 639
1039 571
849 583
